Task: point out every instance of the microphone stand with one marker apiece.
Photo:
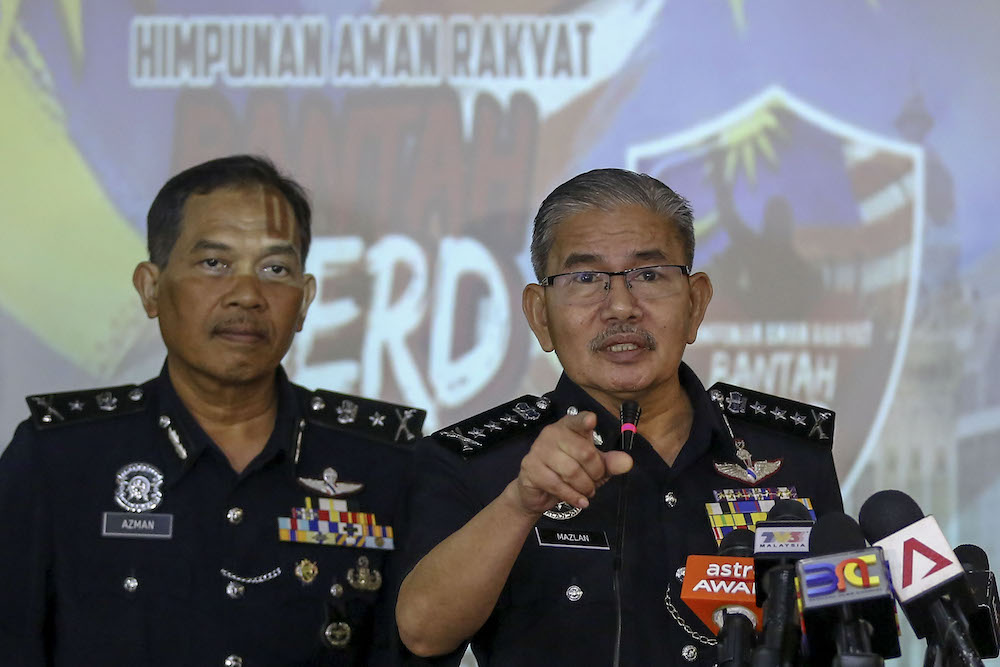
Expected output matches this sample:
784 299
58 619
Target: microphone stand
780 636
629 416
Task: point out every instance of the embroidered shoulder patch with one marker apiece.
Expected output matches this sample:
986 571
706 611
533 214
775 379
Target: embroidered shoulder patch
48 410
473 435
388 422
781 414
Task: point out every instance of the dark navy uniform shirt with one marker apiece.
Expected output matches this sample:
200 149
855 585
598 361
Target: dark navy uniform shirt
557 607
81 587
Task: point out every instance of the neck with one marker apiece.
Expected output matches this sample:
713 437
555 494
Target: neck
239 418
666 419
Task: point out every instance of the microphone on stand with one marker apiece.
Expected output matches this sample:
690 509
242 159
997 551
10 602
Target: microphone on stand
629 415
780 541
984 621
720 591
926 576
848 611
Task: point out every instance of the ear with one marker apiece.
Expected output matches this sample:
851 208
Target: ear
701 294
308 294
533 305
146 279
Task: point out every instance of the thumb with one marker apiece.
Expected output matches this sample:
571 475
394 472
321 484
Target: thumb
617 463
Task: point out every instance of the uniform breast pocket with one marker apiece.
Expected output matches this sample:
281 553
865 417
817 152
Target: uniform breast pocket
133 600
560 580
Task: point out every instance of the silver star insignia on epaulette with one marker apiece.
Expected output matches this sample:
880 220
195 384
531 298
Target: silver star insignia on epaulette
758 408
799 420
377 419
778 413
330 486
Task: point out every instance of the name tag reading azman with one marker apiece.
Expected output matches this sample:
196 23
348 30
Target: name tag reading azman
572 539
143 525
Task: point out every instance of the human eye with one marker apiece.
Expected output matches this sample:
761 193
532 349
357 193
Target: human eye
277 270
213 264
584 277
650 274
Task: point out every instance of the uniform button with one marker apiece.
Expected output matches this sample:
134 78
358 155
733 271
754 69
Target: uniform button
670 499
233 661
336 590
681 571
130 584
234 515
689 653
235 590
318 403
164 421
572 410
338 634
574 593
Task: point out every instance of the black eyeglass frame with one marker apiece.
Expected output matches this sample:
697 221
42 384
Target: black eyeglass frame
547 280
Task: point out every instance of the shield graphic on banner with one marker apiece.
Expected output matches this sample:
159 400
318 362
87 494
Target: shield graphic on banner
810 229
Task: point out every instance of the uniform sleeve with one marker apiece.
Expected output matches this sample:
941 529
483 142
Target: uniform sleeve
25 553
439 503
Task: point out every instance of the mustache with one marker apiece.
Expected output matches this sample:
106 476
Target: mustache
619 329
242 324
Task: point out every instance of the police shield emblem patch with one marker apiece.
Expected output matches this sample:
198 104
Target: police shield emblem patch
810 229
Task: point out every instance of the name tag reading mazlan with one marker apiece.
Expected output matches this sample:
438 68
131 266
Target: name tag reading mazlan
141 525
572 539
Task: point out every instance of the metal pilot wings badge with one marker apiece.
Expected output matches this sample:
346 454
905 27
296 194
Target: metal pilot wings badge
330 485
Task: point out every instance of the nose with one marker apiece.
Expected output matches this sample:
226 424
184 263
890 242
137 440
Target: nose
245 291
620 303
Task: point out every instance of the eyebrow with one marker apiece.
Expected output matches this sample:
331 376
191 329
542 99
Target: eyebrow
584 258
276 249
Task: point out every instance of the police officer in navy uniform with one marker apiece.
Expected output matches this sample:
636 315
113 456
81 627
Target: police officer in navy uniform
217 514
515 513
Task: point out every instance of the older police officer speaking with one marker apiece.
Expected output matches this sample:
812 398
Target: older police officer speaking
217 514
533 537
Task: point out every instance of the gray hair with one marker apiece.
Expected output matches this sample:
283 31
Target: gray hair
608 190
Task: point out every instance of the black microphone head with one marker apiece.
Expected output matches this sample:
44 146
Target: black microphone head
886 512
737 543
630 412
835 532
787 509
972 558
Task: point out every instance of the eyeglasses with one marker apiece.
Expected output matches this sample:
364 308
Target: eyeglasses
583 288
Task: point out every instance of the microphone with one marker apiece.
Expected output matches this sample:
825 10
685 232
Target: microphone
779 541
984 620
630 412
925 574
720 591
848 611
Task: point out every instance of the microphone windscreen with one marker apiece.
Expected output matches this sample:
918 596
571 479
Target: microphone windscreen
972 557
835 532
630 412
737 544
887 512
786 509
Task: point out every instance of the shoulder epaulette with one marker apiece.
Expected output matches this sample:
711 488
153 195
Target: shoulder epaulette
475 434
377 420
74 407
782 414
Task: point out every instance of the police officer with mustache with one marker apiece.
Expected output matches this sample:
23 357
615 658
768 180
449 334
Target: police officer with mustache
535 538
217 514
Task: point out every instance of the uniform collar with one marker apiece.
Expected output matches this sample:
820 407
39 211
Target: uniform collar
192 441
708 433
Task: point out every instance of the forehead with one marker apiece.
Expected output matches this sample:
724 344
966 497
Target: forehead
615 236
251 211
